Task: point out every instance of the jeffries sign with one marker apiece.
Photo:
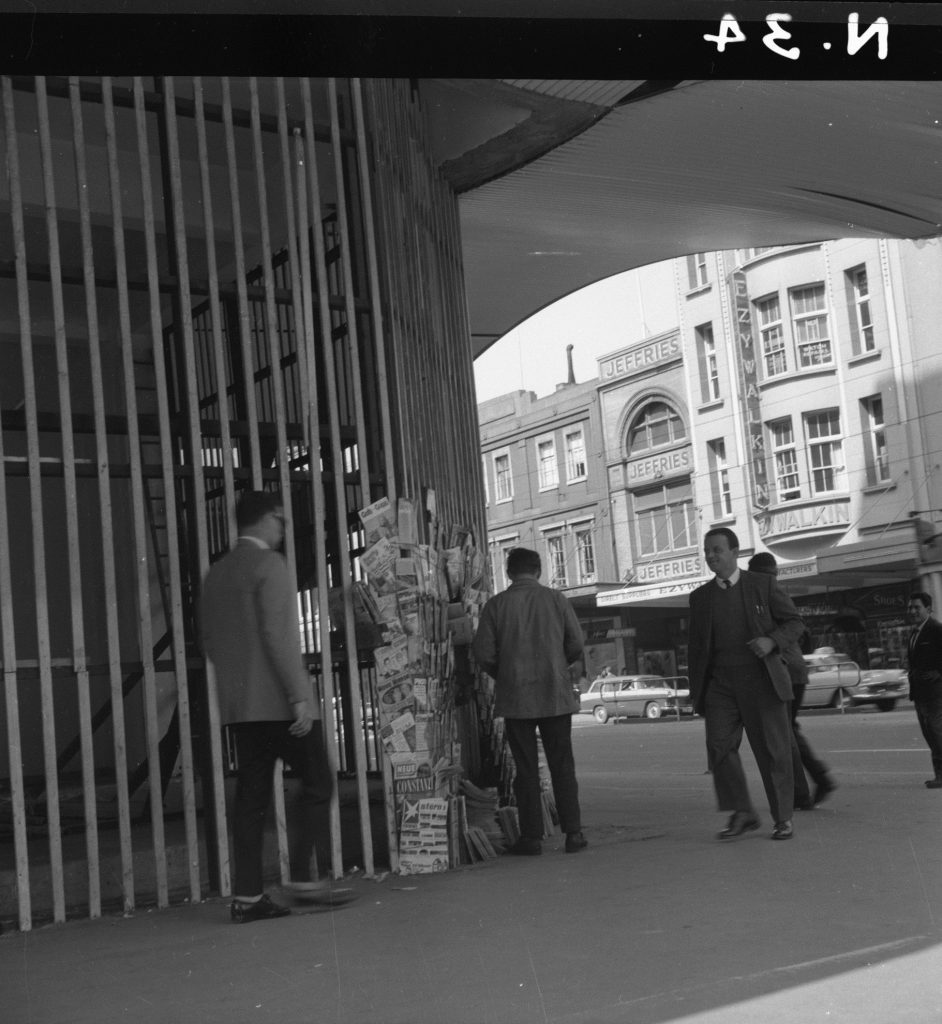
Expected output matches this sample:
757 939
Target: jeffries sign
641 357
655 467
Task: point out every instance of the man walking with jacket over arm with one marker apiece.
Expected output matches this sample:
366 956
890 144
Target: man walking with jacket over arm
740 624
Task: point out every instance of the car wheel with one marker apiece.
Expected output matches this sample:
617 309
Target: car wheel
886 705
652 711
601 715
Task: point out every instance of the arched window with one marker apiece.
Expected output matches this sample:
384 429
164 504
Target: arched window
656 424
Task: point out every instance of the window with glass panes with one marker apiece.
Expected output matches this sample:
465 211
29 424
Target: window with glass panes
810 325
655 425
697 270
546 460
576 468
556 560
585 553
665 518
771 336
503 483
719 478
706 357
825 450
785 454
878 458
861 319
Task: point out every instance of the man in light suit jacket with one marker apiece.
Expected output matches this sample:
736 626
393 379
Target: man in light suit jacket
925 678
249 630
740 625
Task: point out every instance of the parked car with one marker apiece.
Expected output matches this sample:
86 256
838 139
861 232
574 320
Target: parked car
882 687
832 679
634 696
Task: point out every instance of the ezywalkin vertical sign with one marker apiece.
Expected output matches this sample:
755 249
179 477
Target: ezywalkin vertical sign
745 343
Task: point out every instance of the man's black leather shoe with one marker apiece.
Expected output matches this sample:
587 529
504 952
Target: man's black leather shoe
575 841
933 783
782 830
261 910
739 822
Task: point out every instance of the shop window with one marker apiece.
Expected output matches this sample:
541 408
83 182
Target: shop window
771 336
785 454
719 479
576 466
500 548
697 275
503 481
825 450
665 518
556 560
860 314
585 554
874 436
656 425
810 326
547 469
706 359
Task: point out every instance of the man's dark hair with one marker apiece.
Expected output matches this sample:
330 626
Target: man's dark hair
763 561
921 595
255 505
724 531
522 561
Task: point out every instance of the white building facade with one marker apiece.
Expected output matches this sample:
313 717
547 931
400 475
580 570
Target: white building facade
798 403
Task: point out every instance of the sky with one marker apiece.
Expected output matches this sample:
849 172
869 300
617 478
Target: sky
596 320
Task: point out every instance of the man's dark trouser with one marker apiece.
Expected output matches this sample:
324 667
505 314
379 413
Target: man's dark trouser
816 768
929 714
258 746
556 734
747 699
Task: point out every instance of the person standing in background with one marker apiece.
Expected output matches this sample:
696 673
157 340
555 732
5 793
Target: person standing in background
527 639
925 678
803 757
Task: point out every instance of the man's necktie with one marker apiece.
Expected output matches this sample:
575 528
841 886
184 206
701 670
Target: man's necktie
725 584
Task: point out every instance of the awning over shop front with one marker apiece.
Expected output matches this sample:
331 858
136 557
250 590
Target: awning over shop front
659 595
890 556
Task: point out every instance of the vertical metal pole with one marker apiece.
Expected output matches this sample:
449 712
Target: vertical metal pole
145 626
341 511
198 508
340 184
218 794
79 659
277 384
376 303
245 331
36 507
112 632
7 624
308 339
379 343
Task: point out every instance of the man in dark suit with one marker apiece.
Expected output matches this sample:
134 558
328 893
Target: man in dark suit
740 625
803 757
925 678
249 630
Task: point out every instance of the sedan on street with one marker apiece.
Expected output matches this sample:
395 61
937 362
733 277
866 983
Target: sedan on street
635 697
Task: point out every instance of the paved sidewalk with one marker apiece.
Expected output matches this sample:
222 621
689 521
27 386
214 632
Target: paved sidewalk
656 921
